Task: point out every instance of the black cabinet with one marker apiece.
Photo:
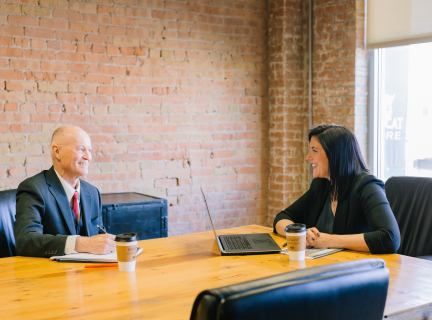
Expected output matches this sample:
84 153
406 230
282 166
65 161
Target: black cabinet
135 212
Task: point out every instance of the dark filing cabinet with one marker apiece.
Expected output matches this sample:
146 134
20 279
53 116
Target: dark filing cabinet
135 212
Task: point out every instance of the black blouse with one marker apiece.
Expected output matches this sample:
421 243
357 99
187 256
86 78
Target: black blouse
365 210
326 219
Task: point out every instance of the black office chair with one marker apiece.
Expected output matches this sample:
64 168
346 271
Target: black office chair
349 290
7 219
411 201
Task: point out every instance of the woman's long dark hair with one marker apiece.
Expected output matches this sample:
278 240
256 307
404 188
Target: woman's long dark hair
344 157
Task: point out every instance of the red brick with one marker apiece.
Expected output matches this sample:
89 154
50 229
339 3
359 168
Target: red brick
140 13
70 98
11 106
83 27
22 20
123 21
139 129
127 51
163 183
110 90
53 24
70 36
70 56
39 33
26 128
222 154
98 100
11 52
21 86
4 128
84 68
99 79
124 60
75 118
96 18
55 66
7 41
32 170
164 128
40 97
112 30
124 100
111 10
11 75
16 171
112 70
100 177
45 117
112 50
12 30
24 64
54 45
69 77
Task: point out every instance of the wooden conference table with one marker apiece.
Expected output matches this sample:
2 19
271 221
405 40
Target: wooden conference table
170 273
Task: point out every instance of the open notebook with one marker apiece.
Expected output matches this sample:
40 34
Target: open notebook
315 253
88 257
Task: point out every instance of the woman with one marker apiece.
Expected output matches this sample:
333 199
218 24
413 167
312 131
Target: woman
345 207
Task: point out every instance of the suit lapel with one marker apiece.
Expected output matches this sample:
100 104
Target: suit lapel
59 194
85 205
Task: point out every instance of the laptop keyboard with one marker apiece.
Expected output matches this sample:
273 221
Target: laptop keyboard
237 243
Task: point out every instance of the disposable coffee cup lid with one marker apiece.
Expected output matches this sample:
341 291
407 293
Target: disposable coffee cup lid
296 228
126 237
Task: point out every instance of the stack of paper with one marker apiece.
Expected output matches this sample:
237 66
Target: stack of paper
88 257
316 253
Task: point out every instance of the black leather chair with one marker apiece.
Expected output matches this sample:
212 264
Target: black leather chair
349 290
411 201
7 219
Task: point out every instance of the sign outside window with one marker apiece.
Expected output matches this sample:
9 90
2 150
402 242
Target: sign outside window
404 124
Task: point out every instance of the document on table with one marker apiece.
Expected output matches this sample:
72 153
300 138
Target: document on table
316 253
88 257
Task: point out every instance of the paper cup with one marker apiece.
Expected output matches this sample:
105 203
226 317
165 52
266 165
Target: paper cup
296 241
126 245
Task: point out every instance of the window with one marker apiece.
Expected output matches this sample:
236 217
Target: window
401 111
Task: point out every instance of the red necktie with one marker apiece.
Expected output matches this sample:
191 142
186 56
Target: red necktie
75 205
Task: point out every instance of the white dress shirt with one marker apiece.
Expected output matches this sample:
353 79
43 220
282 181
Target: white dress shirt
70 191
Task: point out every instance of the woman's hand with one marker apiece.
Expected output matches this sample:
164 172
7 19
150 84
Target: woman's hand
316 239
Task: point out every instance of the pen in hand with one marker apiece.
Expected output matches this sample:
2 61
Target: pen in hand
101 229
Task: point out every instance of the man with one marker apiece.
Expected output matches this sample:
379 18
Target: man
56 212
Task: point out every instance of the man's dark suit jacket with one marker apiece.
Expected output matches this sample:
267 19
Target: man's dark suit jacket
44 217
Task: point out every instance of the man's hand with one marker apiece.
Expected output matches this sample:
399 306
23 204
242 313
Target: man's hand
100 244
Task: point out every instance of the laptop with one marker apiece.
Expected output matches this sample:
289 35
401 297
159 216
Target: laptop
243 244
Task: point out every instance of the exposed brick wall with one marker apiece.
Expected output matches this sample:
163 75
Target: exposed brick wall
339 86
176 95
340 66
172 93
288 103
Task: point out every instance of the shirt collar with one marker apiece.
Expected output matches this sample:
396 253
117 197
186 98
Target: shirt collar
68 188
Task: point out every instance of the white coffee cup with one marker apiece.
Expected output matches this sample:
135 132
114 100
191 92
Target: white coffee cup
127 246
296 241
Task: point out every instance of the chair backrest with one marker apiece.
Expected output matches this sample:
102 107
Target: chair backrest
349 290
7 219
410 199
